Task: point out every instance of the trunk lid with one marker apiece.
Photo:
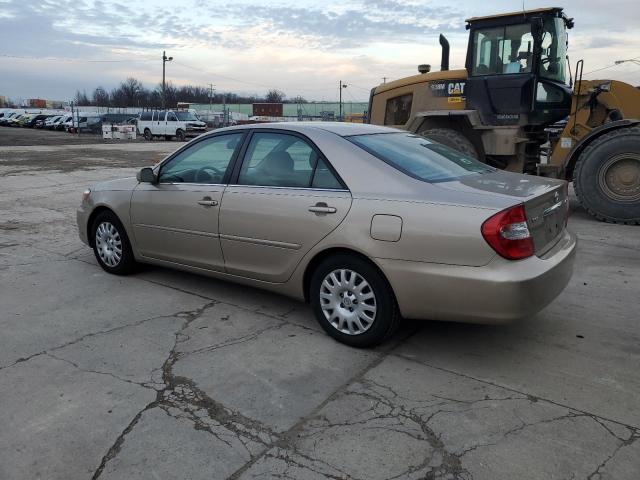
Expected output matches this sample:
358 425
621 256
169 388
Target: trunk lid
547 217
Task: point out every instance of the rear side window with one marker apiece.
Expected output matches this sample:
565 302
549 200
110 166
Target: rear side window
282 160
418 157
278 160
398 110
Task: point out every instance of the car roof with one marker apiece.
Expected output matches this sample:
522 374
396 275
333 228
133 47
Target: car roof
343 129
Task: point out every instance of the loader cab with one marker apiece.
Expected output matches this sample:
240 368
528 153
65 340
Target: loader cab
516 66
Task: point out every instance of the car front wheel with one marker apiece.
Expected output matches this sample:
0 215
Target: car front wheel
353 302
111 244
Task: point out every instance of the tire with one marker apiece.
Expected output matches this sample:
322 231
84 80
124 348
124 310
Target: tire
147 134
106 232
351 271
607 176
180 135
453 139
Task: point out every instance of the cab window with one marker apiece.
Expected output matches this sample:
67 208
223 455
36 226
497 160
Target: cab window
503 50
204 162
398 110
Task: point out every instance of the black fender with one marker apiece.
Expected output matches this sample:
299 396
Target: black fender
570 162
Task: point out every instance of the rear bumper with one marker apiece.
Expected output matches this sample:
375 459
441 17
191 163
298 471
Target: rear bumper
499 292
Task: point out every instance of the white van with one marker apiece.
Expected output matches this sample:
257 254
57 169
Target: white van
169 124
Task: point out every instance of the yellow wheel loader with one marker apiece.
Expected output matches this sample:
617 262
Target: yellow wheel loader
511 107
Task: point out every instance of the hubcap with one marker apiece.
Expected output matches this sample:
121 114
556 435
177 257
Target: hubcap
348 301
108 244
619 177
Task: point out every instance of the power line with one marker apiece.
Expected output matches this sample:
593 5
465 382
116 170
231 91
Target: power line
224 76
79 60
608 66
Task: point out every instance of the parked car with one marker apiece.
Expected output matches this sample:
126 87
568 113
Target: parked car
49 122
170 124
33 120
16 120
85 123
6 118
367 223
63 123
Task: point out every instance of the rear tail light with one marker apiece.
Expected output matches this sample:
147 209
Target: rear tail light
508 234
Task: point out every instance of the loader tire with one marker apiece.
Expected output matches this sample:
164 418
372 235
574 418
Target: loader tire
453 139
607 176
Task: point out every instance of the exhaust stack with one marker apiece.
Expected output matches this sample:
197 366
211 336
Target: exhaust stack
444 63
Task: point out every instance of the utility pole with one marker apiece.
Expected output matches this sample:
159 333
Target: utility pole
384 79
165 59
224 110
342 85
210 101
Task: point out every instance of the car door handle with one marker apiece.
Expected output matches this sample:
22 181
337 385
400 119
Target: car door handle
207 202
322 208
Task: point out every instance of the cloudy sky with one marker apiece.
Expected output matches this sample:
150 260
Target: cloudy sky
50 48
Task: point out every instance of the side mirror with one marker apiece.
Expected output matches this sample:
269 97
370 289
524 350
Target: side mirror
146 175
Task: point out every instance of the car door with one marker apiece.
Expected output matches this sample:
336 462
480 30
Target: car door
176 219
170 124
158 124
285 199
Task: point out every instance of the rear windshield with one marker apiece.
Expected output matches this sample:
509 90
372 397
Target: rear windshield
418 157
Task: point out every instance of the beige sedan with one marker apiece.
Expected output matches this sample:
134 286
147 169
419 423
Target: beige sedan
368 224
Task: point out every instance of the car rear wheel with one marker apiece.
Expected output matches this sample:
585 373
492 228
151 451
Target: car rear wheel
353 302
147 134
111 244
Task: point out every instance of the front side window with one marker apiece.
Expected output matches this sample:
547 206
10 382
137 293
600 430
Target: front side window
171 117
282 160
503 50
398 110
418 157
204 162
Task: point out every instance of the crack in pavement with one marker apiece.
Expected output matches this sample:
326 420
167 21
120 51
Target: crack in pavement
286 439
532 397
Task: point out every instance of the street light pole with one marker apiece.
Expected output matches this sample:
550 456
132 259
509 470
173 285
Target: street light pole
165 59
632 60
342 85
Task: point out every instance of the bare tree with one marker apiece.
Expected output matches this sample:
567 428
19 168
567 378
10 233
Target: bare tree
275 96
81 98
100 97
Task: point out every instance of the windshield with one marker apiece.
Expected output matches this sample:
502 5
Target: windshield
418 157
554 50
186 116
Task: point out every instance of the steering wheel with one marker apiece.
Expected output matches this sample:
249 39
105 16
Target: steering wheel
202 175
